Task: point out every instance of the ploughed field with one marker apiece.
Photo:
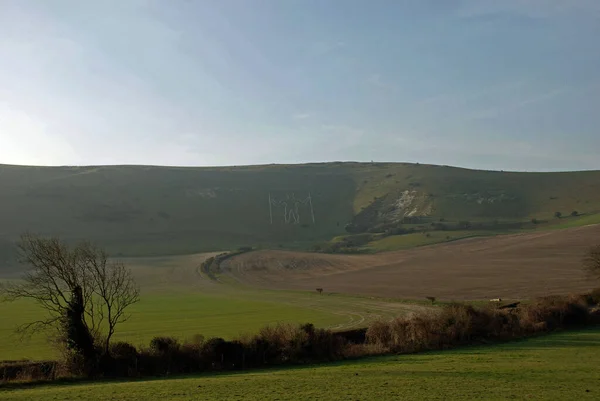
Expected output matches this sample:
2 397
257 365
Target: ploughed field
519 266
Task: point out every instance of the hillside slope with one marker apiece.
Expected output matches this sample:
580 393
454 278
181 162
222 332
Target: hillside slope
159 210
144 210
388 192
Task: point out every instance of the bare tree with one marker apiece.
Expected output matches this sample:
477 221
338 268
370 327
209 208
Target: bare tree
591 262
73 284
113 290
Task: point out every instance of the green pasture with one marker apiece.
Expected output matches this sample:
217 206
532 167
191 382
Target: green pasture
224 312
578 221
178 314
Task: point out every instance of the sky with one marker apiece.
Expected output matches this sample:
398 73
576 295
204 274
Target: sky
486 84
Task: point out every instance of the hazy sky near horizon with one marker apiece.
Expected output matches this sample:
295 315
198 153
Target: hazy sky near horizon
512 84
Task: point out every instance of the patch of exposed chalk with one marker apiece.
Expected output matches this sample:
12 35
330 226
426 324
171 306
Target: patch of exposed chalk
201 192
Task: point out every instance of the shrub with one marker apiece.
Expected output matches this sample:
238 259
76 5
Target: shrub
354 351
591 261
354 336
164 357
164 345
594 297
379 333
554 312
197 341
122 349
285 343
458 324
212 352
28 371
121 361
406 334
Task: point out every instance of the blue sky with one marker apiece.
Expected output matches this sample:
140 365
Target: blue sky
512 84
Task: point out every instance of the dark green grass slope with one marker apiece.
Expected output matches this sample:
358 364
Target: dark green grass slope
144 210
154 210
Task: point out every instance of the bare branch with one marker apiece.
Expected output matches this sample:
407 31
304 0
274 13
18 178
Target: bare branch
116 287
28 329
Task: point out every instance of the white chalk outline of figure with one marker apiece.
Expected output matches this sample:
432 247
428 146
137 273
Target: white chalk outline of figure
294 212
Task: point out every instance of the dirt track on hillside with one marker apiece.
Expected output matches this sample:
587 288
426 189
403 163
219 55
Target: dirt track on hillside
510 267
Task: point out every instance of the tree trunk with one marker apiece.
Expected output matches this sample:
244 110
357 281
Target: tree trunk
79 338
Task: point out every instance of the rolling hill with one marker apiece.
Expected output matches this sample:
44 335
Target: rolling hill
147 210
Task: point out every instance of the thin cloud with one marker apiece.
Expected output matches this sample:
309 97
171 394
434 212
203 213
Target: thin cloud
446 99
489 102
345 134
535 9
513 106
302 116
377 81
324 48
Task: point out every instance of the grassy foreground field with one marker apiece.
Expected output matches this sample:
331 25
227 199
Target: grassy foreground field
560 366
